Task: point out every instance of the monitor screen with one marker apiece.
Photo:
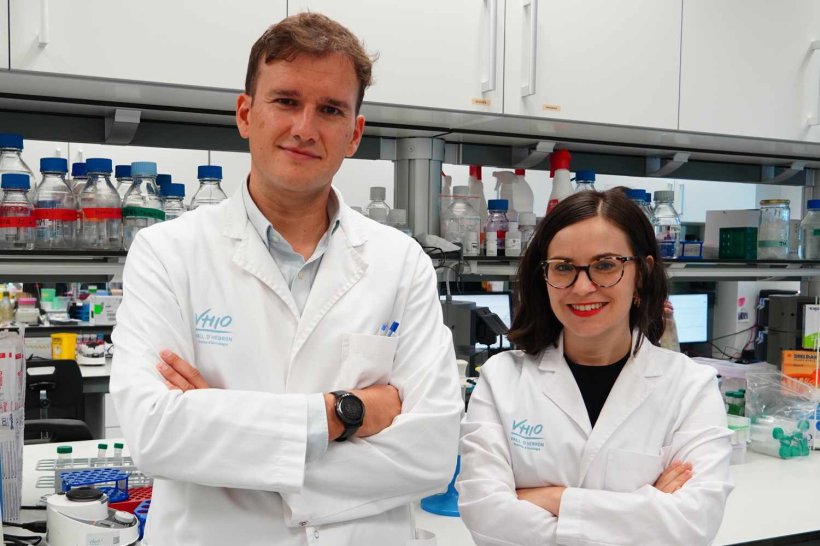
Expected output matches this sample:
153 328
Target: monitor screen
691 316
497 302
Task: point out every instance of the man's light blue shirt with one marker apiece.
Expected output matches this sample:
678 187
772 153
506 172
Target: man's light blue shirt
299 275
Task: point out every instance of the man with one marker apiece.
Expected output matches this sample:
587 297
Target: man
264 311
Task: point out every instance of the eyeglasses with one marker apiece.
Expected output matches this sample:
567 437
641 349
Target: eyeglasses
604 272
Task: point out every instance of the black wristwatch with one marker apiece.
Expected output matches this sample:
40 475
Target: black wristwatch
350 411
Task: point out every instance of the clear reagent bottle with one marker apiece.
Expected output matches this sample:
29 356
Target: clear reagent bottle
100 209
56 212
16 213
210 191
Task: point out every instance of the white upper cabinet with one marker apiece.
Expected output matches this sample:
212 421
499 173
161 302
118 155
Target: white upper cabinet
747 68
4 33
432 53
597 60
183 42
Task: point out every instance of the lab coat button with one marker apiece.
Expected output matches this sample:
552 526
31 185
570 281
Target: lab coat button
302 523
301 275
316 535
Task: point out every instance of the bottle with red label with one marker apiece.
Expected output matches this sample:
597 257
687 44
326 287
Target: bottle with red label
16 213
56 212
100 209
561 182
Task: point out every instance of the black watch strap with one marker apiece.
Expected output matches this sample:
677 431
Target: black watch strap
350 411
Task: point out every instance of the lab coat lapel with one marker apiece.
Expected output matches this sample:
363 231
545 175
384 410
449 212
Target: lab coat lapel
341 268
559 385
251 254
637 380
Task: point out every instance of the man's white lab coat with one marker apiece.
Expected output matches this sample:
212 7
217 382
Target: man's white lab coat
527 426
229 461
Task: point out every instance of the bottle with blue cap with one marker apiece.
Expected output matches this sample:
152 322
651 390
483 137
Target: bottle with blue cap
122 174
56 210
100 208
639 197
141 207
163 181
809 237
79 177
584 180
11 159
495 231
172 204
667 224
210 191
16 213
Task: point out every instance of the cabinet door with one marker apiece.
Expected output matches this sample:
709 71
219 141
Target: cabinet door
4 33
747 68
597 60
431 53
185 42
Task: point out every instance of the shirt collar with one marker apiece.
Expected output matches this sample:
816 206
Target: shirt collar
264 228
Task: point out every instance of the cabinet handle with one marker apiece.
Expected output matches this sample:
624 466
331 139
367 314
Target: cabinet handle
43 38
489 83
531 8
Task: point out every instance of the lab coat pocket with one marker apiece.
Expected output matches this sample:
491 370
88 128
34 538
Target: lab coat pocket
628 471
368 359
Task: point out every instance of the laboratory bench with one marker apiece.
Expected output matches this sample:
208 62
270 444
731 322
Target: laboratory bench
774 501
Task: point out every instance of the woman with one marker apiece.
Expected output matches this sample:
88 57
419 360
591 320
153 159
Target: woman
591 434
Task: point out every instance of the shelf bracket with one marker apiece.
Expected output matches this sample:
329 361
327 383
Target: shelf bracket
767 175
121 126
658 167
525 157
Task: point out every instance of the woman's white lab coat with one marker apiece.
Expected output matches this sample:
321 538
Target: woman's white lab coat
230 461
527 426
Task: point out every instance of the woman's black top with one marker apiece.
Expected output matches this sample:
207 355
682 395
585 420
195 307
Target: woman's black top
595 382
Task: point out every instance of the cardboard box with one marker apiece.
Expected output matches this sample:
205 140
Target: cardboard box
105 309
802 366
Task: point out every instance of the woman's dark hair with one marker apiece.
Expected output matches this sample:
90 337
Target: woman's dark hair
535 326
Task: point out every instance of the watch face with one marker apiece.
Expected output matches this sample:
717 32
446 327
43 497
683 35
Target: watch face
351 409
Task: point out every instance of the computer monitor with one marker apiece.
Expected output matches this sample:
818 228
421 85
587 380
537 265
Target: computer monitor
499 303
691 317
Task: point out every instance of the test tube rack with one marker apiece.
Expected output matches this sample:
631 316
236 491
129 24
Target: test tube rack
52 480
111 481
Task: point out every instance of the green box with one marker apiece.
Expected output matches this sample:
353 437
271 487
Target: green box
738 243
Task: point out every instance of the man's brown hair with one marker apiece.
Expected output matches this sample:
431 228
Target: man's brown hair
309 34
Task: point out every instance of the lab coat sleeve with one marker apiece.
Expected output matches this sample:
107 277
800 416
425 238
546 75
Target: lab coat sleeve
416 455
487 502
261 438
692 515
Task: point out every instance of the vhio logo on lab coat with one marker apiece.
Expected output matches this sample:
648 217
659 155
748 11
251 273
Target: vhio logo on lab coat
213 328
527 436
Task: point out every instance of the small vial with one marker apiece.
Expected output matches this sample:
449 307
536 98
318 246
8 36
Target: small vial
118 452
64 457
101 452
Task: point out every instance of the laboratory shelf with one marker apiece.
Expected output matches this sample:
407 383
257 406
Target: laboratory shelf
62 265
504 268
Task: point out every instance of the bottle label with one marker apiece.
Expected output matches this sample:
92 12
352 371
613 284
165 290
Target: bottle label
97 214
17 222
64 215
143 212
771 244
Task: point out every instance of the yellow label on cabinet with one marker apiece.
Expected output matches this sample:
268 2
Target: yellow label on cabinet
551 107
480 102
